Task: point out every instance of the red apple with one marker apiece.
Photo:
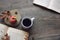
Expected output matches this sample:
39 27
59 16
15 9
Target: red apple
12 19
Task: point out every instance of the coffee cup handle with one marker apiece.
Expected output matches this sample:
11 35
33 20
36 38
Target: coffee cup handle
32 18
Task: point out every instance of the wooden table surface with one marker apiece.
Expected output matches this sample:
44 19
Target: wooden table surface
46 24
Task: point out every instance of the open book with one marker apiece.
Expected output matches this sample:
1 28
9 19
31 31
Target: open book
14 34
51 4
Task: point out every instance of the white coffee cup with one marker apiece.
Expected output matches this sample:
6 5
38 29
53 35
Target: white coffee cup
27 22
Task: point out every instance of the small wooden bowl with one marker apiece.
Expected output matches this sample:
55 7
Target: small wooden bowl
16 14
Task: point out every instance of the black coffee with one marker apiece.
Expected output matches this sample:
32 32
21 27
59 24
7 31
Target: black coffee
26 22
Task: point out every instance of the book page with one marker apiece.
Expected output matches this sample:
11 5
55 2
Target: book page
44 3
55 5
16 34
3 30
